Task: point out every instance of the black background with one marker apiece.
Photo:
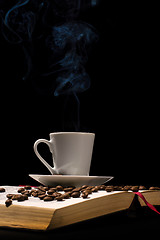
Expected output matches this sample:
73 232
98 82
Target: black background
121 106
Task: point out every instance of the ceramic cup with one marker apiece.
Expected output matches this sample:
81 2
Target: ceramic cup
71 152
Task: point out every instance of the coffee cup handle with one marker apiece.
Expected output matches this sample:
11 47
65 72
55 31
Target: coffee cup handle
51 169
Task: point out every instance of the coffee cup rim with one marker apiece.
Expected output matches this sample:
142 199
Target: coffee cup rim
72 133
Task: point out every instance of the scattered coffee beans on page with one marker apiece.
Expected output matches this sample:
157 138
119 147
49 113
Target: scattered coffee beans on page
60 193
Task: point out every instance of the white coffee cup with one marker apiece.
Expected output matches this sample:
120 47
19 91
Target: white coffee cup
71 152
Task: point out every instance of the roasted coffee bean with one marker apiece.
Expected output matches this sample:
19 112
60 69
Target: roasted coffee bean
84 194
46 188
8 202
20 198
34 194
84 186
154 188
15 196
59 188
41 188
51 191
2 190
22 189
42 196
27 187
75 194
68 189
102 187
115 188
89 191
89 188
40 192
9 196
59 198
25 196
48 198
134 188
28 193
33 190
142 188
76 189
118 188
66 195
126 188
109 189
56 194
95 189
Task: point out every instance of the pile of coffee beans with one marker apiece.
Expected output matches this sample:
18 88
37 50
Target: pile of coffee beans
60 193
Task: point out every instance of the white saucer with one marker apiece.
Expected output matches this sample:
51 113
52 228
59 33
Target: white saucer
70 180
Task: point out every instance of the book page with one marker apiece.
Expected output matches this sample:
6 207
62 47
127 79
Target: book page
36 202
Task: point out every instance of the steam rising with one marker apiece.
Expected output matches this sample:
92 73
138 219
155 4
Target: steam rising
53 26
71 39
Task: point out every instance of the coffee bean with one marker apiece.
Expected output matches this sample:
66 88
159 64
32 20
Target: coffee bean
154 188
21 190
25 196
89 191
20 198
75 194
95 189
76 189
142 188
40 192
84 194
8 202
15 196
34 194
135 188
68 189
41 188
99 187
84 186
2 190
56 194
46 188
59 198
126 188
118 188
109 189
28 193
33 190
42 196
59 188
66 195
114 188
9 196
89 188
102 187
51 191
48 198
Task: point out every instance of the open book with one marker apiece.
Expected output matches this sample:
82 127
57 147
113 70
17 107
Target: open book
39 215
